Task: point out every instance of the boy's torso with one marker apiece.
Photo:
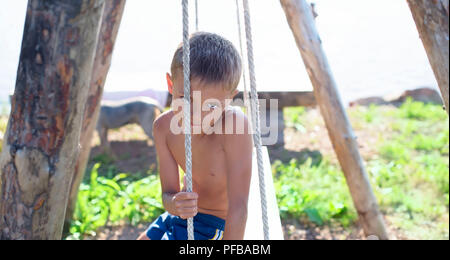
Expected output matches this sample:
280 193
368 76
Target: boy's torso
209 171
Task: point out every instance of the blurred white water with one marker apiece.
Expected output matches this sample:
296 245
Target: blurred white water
373 46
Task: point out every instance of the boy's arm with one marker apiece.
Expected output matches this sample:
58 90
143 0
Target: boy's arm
238 152
174 201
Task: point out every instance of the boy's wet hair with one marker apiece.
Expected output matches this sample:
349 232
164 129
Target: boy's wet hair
214 60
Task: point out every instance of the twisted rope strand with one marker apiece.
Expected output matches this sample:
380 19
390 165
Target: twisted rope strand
187 109
254 108
244 73
196 15
256 118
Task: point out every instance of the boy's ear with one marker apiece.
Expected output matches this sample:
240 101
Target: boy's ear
169 83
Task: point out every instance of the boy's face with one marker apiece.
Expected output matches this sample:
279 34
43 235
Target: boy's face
208 102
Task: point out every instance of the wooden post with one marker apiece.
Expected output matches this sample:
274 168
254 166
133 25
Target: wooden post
108 32
301 21
432 18
37 160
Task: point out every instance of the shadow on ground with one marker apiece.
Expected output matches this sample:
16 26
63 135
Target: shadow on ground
133 157
285 155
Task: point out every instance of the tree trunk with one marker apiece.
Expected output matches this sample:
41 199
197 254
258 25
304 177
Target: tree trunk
302 24
47 109
108 32
432 20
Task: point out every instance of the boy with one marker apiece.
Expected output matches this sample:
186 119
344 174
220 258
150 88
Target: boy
221 157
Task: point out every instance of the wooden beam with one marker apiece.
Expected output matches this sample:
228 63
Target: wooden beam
109 29
301 21
44 128
285 99
432 21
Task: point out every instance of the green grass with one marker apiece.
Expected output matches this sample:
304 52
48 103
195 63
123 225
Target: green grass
415 186
294 118
316 192
409 173
408 169
111 201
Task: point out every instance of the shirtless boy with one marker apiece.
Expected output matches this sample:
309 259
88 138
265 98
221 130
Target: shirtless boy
221 151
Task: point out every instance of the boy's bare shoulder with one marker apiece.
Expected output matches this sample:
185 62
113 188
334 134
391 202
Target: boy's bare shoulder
162 123
236 123
235 112
237 140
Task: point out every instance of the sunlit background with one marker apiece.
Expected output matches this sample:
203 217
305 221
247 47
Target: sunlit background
374 50
373 46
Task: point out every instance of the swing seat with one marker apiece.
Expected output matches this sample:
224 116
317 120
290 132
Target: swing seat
254 227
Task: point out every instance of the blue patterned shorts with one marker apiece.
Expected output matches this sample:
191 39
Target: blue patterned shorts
170 227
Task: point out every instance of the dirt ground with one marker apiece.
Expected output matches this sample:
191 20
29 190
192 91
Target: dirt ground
134 153
293 230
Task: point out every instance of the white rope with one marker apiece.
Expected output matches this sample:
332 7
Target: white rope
244 74
256 119
187 109
196 15
254 108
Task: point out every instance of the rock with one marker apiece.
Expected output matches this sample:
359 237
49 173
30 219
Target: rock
369 101
425 95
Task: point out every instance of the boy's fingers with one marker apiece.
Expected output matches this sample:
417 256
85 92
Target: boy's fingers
188 214
185 204
188 210
186 196
191 195
190 203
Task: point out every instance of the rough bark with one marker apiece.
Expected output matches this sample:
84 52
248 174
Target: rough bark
47 109
108 32
432 21
302 24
